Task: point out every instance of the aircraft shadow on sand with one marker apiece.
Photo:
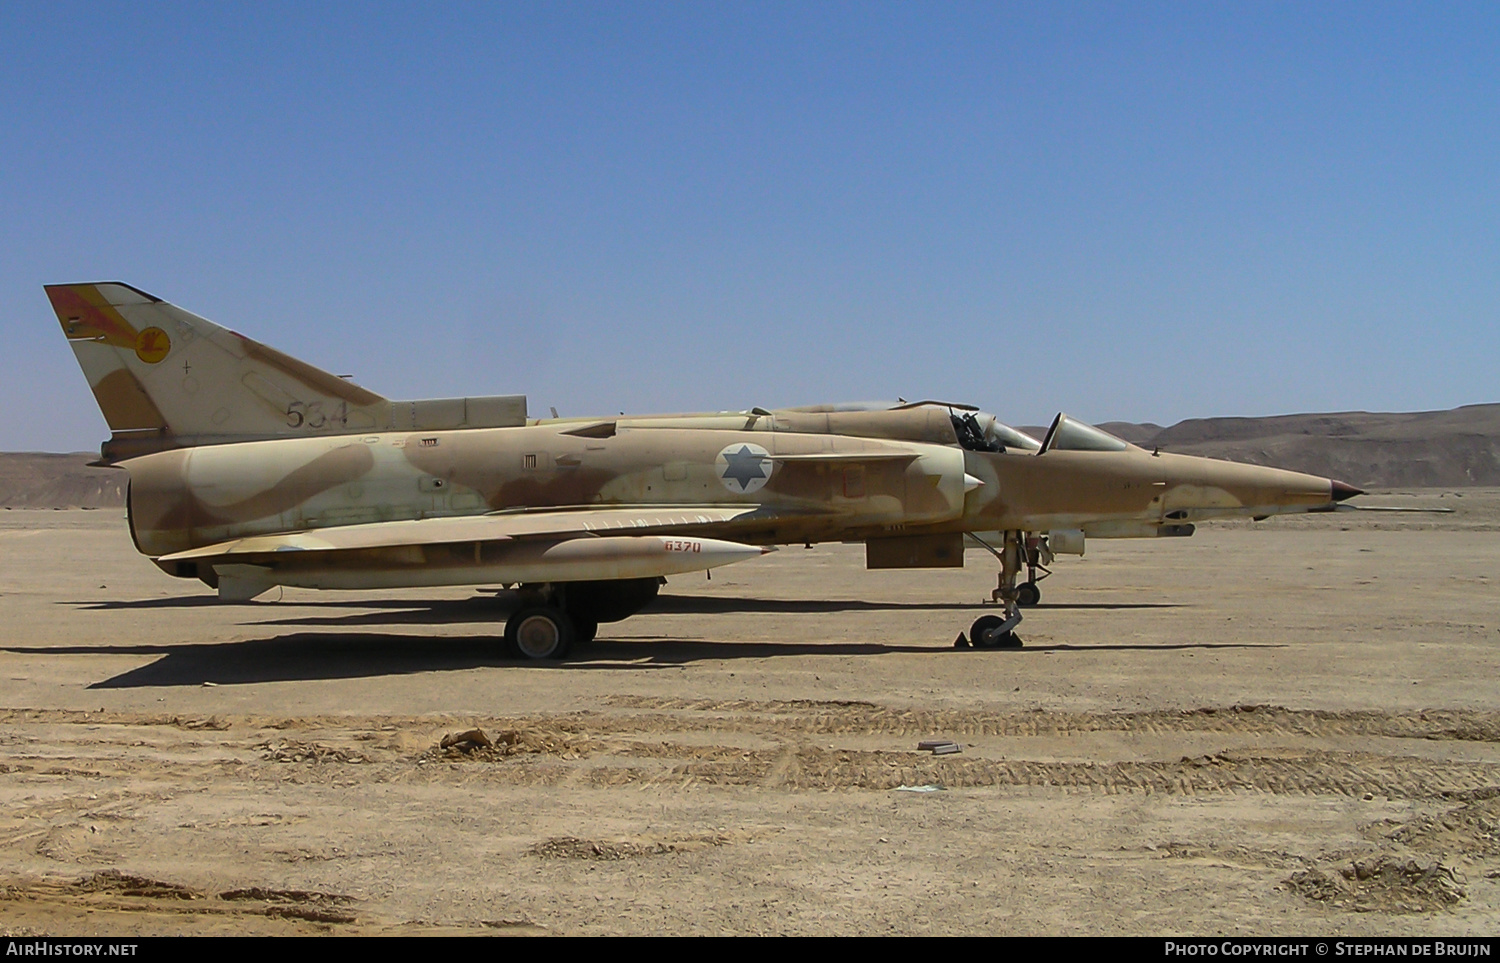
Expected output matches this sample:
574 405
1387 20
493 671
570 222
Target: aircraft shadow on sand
174 602
478 610
486 608
313 656
494 610
320 656
711 605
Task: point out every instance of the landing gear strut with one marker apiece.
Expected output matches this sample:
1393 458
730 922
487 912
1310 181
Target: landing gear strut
998 631
1038 556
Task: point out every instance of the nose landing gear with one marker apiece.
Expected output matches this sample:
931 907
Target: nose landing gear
998 631
1038 557
994 632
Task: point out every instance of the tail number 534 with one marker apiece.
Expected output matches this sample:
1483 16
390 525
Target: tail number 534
301 414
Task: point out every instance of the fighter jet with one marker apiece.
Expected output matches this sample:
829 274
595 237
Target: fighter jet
250 469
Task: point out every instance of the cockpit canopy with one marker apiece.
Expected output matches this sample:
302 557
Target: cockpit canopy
982 431
1070 434
976 430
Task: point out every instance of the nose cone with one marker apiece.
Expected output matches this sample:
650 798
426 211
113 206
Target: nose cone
1342 491
1208 488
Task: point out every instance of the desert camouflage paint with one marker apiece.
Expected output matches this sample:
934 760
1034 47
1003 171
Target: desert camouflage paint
251 468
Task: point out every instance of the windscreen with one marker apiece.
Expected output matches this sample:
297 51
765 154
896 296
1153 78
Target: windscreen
1069 434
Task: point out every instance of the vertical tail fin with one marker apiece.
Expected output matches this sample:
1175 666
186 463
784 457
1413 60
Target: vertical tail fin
165 378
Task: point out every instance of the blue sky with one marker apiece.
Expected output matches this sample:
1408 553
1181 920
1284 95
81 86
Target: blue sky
1143 211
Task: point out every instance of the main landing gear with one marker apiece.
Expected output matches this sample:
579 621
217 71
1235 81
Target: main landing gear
539 633
998 631
555 616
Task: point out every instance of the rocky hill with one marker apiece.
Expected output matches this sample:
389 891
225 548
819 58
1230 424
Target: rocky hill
1427 449
1460 447
31 479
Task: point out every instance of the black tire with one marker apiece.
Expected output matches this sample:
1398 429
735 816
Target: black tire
982 629
1028 593
539 634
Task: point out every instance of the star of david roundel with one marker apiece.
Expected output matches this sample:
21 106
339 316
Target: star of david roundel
744 468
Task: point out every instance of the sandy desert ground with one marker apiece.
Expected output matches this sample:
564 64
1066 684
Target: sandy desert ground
1285 728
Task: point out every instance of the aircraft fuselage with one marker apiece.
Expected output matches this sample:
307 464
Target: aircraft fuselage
804 487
